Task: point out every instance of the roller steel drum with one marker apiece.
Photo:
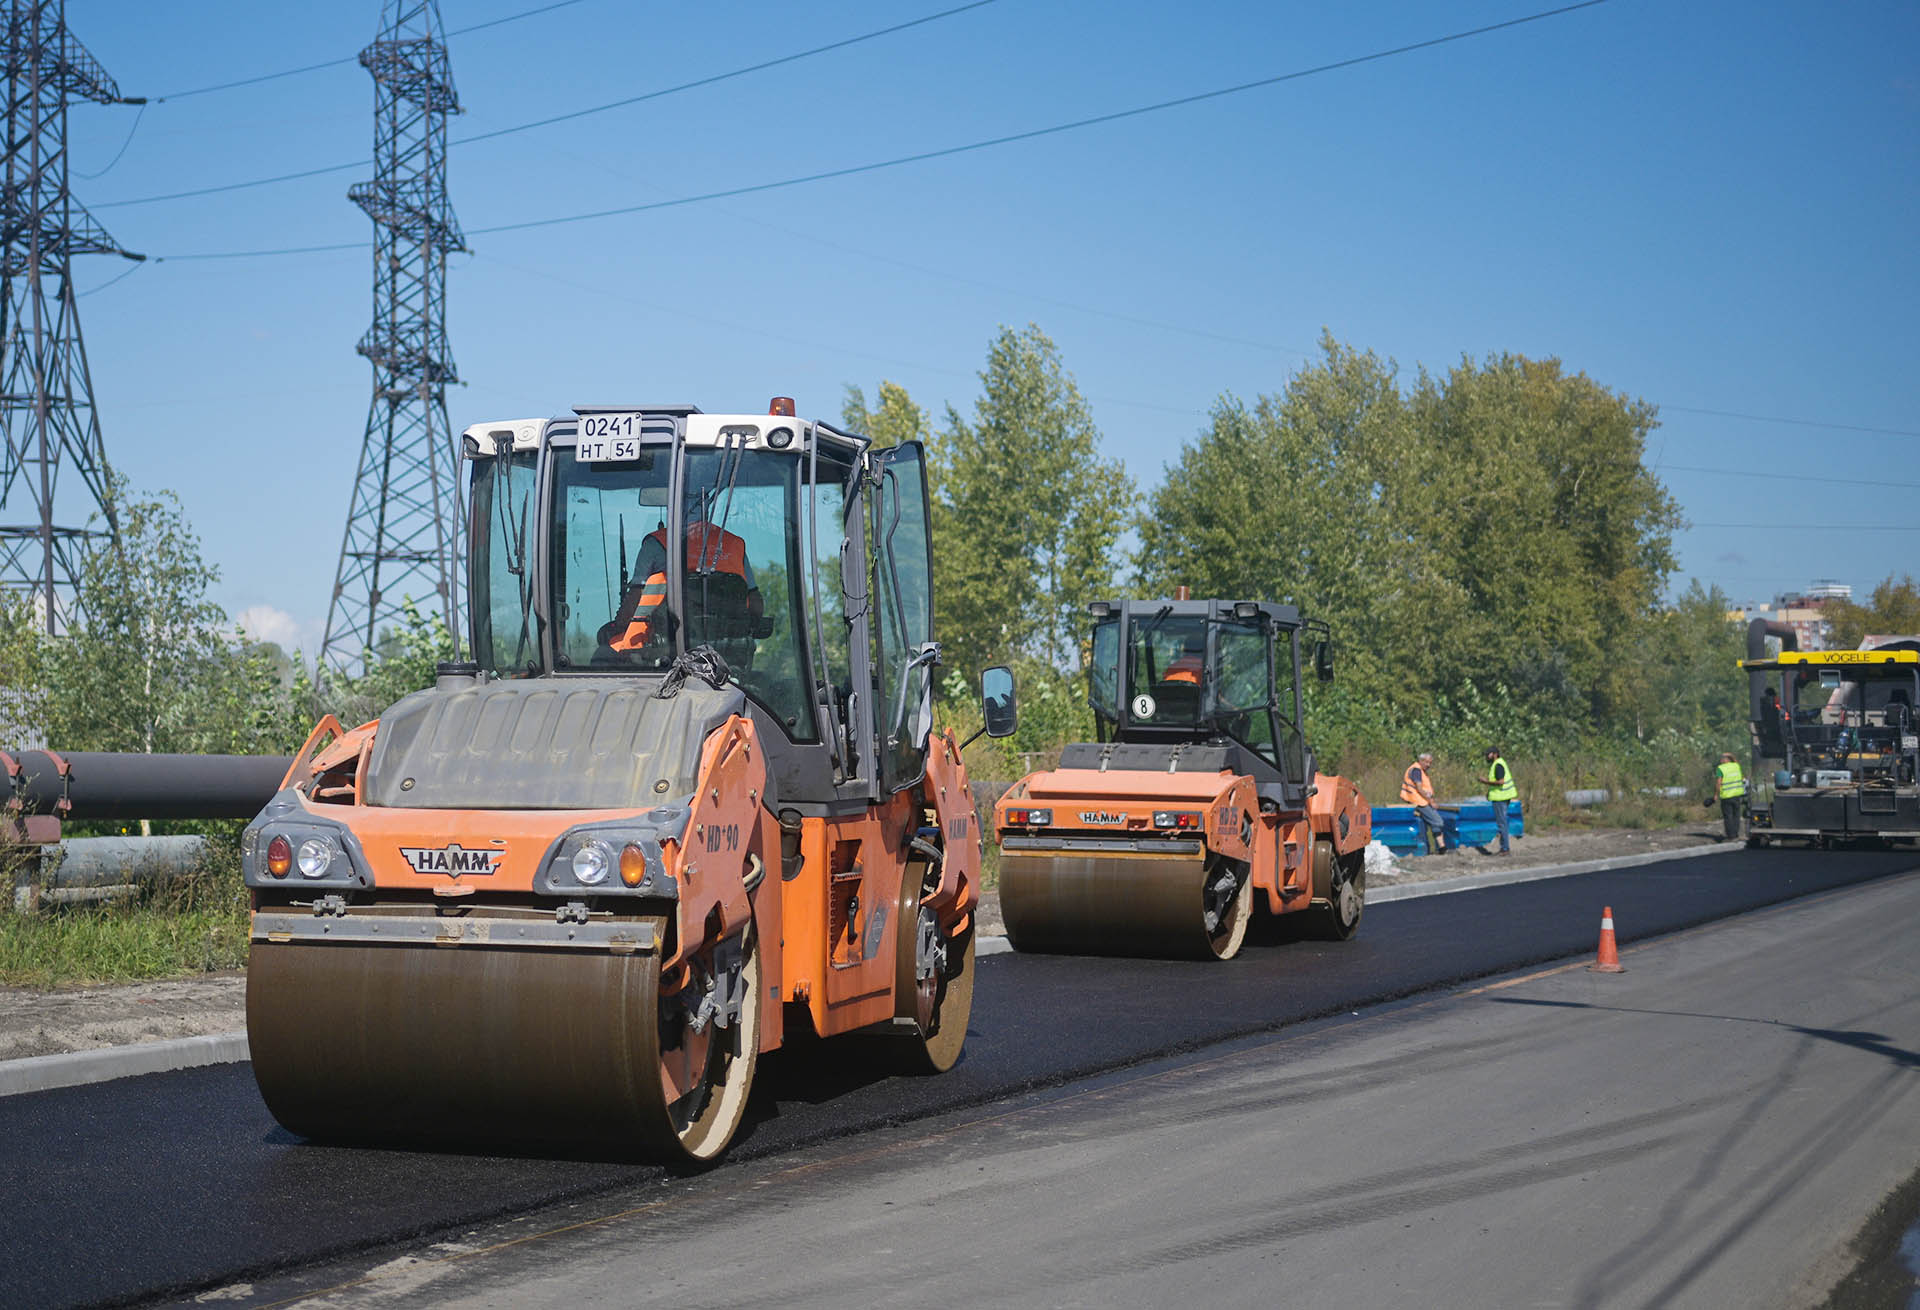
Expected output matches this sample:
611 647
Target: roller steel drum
1101 903
485 1046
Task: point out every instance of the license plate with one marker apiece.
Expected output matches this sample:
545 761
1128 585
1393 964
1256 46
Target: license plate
608 439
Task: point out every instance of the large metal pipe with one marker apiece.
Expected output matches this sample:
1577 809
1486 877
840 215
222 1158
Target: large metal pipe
82 870
103 785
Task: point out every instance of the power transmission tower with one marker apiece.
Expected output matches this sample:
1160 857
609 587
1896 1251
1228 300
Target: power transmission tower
403 536
47 416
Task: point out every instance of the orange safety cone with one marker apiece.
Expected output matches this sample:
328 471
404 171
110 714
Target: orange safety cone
1608 961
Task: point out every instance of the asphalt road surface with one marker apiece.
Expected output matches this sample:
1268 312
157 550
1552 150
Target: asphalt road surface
180 1182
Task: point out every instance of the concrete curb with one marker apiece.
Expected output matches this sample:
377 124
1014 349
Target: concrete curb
1407 891
42 1073
46 1072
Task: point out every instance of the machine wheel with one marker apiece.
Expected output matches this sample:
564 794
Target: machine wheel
706 1071
1339 892
485 1046
1230 909
933 984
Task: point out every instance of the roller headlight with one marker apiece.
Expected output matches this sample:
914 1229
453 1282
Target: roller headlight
592 862
315 857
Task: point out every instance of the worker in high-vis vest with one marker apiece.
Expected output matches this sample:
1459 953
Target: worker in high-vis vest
1730 785
1416 789
643 608
1502 792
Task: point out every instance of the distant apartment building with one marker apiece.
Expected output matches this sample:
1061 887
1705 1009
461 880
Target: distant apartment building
1804 611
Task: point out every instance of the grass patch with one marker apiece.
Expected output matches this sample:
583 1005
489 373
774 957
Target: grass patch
120 944
195 925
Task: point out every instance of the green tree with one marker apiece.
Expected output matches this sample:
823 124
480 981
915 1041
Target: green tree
1027 513
1687 676
894 418
401 662
1553 537
1893 610
1285 498
21 688
151 663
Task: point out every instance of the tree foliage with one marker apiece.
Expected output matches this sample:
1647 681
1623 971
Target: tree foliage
892 420
1283 499
1554 537
1027 513
1892 611
150 663
1488 545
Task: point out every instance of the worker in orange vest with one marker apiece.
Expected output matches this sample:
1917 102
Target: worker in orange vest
1416 789
1187 668
710 549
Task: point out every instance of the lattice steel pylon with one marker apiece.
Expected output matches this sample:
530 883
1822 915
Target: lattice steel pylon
404 528
47 418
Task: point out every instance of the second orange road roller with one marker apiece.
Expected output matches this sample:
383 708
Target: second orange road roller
1200 808
684 804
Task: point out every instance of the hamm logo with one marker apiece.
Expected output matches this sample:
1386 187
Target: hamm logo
452 860
1102 816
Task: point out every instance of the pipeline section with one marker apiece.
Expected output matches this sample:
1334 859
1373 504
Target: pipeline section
86 786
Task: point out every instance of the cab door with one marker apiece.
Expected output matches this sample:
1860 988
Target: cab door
904 652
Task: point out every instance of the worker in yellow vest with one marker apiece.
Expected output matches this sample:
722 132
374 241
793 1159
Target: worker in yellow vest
1502 792
1416 789
1730 785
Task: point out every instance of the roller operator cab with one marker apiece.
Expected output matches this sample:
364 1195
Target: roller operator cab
1836 744
1200 807
684 803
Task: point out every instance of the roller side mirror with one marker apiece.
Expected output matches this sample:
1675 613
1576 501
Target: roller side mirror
999 707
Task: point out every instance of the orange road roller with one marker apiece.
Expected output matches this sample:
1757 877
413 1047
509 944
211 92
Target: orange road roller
1199 808
683 804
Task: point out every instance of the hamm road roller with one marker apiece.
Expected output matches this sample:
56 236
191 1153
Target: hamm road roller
683 804
1199 807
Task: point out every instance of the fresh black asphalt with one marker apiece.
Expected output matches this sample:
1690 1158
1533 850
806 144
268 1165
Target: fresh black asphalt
159 1186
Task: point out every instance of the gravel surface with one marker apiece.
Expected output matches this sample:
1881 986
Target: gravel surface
34 1022
87 1018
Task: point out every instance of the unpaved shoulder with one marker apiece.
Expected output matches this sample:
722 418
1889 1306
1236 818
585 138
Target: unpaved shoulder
87 1018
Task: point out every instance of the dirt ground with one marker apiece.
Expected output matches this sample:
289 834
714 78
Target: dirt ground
86 1018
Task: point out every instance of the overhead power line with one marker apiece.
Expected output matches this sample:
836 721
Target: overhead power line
1795 477
881 164
142 113
1035 133
722 77
1798 422
346 59
261 254
762 66
1817 527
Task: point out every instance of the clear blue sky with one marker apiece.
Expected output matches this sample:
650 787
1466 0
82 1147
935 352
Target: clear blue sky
1708 205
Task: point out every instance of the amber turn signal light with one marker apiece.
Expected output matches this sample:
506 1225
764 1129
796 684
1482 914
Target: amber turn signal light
633 865
279 857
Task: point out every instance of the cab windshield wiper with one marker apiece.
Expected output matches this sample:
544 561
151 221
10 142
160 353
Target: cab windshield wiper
732 456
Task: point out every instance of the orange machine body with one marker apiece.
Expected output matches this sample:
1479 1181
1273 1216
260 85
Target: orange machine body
1277 847
826 923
